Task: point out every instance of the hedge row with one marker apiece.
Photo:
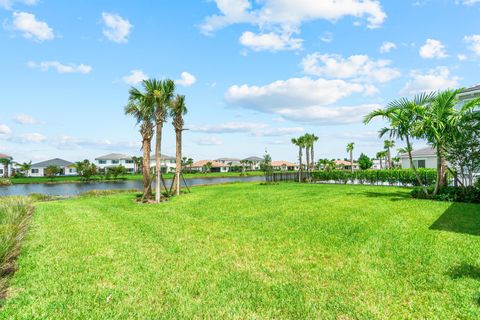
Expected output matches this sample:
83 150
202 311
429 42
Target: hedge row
404 177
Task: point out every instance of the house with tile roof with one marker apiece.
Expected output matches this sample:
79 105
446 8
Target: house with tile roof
284 166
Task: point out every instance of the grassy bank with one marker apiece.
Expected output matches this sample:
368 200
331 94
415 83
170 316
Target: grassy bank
76 179
14 215
251 251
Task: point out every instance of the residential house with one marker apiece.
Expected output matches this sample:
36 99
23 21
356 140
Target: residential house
470 93
66 168
346 165
2 167
254 162
201 166
229 161
284 166
167 163
115 160
422 158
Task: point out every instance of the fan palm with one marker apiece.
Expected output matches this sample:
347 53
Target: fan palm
380 156
143 114
25 167
350 148
177 111
300 143
441 119
159 94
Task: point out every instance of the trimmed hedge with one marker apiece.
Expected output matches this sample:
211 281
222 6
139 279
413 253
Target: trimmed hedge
451 194
405 177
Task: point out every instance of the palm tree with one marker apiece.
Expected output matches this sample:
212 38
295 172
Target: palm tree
25 167
350 148
403 116
388 145
380 155
190 163
300 143
137 163
441 119
138 108
312 149
7 162
177 111
159 94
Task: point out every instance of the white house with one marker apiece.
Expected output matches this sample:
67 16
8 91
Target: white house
115 160
2 167
228 161
201 166
66 168
254 162
469 93
422 158
167 163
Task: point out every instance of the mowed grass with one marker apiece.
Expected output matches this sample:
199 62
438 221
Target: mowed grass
247 251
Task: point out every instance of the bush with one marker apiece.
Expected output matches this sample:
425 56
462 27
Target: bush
451 194
405 177
5 182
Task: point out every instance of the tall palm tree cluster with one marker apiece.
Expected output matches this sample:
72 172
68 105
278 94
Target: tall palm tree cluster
152 107
307 143
435 117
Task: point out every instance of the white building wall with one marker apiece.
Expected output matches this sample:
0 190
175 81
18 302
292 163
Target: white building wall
430 162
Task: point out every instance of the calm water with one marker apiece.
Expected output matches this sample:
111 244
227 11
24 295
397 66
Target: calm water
73 189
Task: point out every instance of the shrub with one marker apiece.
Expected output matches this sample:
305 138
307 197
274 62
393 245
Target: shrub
452 194
5 182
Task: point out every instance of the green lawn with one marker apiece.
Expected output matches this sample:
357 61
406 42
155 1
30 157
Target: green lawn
71 179
248 251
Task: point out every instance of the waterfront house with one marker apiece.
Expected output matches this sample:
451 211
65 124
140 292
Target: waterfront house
115 160
167 163
66 168
209 166
284 166
2 167
254 162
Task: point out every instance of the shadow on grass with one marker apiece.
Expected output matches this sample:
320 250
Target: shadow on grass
466 270
460 218
393 195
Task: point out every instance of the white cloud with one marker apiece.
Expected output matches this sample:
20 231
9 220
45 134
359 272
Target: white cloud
208 141
117 29
252 128
387 47
26 119
359 67
7 4
462 57
186 79
434 80
4 129
289 15
433 49
302 99
60 67
270 41
135 77
327 37
31 27
468 2
474 43
29 137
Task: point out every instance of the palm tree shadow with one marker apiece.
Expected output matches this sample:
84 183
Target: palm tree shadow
393 195
459 218
466 270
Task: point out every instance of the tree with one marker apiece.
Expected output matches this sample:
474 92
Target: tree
85 169
177 111
159 94
350 148
440 121
388 145
207 167
137 164
312 148
117 171
142 112
51 171
326 164
266 164
300 143
307 140
403 116
25 167
190 163
381 156
364 162
7 162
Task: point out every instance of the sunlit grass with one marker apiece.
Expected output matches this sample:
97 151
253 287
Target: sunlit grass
251 251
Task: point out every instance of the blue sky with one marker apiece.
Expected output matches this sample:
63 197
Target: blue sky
255 73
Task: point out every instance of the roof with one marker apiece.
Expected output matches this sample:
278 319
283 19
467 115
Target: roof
202 163
254 158
282 163
53 162
343 163
162 157
114 156
227 159
428 151
471 89
5 156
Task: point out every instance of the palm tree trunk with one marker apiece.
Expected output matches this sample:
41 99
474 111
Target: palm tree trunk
351 160
381 165
147 183
389 159
307 156
312 154
158 167
412 165
178 164
300 164
440 181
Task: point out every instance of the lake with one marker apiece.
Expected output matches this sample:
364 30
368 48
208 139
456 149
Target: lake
73 189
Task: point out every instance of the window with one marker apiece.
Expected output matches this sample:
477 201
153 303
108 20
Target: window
419 163
1 171
102 161
115 161
34 170
128 161
70 170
